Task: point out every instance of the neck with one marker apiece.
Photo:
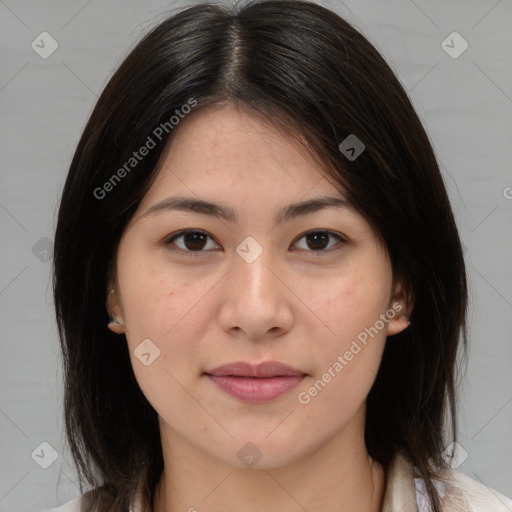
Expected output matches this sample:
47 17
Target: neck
339 476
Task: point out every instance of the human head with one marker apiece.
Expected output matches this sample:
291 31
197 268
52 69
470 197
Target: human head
321 86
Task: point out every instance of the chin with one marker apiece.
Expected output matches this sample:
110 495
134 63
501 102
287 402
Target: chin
263 453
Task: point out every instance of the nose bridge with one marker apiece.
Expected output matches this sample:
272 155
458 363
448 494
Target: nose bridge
254 300
252 268
254 303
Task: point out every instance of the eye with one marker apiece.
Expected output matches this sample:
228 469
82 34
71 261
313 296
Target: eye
318 242
191 241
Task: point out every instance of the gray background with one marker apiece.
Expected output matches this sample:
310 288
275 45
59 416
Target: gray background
465 103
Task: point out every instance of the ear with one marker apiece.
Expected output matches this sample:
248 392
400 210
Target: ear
402 303
114 310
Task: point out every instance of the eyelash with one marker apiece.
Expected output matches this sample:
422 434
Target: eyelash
318 253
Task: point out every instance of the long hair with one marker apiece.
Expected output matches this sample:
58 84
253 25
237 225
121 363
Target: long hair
305 68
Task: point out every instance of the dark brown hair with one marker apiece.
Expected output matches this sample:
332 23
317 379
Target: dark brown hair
304 67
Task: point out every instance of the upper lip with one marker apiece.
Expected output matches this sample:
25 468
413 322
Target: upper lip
262 370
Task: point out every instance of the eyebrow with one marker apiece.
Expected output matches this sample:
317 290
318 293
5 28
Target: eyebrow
228 214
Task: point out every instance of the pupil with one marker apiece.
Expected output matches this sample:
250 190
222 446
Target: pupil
194 241
315 238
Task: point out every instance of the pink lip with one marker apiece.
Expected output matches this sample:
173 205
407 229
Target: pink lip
256 383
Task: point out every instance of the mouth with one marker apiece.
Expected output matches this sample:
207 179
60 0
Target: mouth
256 383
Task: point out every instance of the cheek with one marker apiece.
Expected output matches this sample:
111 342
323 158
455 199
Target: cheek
154 296
346 367
170 321
172 310
348 355
351 304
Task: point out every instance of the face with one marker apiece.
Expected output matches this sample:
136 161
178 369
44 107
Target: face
311 289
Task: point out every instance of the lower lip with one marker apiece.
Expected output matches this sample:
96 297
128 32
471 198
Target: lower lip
256 390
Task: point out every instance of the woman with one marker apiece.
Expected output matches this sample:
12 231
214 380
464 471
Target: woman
255 212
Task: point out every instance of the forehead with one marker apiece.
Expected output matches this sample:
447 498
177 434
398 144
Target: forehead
221 150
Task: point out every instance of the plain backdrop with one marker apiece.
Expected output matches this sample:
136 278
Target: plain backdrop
464 100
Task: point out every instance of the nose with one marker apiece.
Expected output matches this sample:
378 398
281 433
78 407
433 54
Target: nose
256 302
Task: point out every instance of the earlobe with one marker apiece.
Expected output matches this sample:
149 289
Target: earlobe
403 304
116 323
398 324
116 326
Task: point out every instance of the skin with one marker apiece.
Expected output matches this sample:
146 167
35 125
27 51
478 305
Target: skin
292 304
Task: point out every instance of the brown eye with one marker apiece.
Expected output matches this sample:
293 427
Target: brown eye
190 241
319 241
194 241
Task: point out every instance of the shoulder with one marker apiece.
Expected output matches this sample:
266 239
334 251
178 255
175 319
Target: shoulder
460 493
70 506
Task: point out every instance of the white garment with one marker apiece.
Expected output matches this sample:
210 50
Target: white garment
459 492
405 491
472 496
